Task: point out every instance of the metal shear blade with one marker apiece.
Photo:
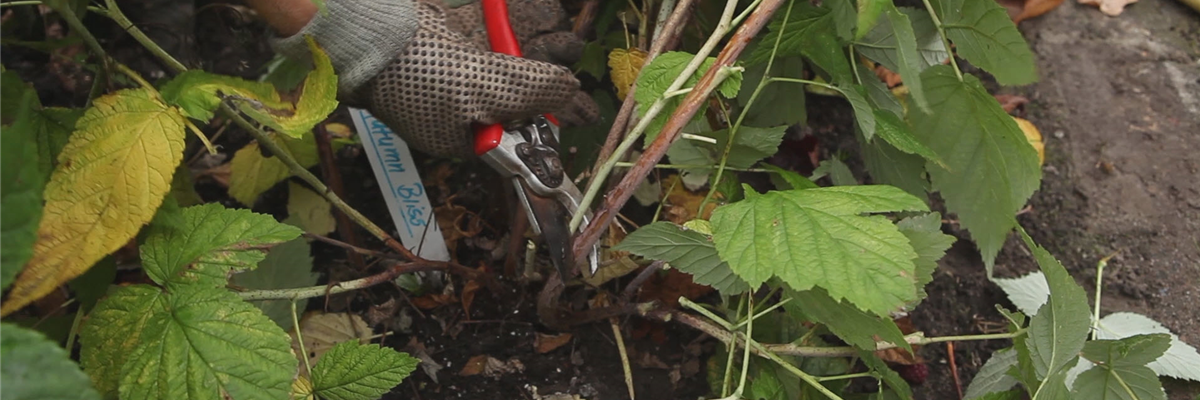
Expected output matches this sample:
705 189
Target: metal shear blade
528 155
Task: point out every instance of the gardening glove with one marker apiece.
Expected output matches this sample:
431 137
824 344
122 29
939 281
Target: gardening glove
397 59
544 33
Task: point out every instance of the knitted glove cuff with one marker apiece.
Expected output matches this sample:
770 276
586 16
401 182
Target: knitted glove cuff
360 36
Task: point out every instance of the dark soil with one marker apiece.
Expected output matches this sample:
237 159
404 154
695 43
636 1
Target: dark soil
1118 106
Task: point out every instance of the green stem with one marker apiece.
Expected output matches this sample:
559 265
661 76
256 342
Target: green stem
745 13
20 3
74 329
763 312
945 40
1099 286
593 188
77 26
731 348
684 301
300 340
114 13
846 376
658 210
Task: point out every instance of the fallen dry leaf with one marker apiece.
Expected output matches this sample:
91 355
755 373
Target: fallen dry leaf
682 204
468 295
321 331
547 343
892 79
1034 136
1020 10
1110 7
1010 102
428 364
456 222
475 365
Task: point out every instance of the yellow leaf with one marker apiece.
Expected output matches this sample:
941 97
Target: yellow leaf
625 65
1034 136
318 99
251 173
302 389
111 177
311 211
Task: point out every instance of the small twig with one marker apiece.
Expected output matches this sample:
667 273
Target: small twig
616 328
300 340
329 171
687 109
583 21
353 248
954 368
394 270
632 289
664 10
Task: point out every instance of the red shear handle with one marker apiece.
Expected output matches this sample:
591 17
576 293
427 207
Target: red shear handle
503 40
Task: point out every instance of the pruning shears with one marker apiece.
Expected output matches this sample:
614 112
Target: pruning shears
527 153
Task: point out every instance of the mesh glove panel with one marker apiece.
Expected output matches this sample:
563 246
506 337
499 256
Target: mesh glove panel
437 87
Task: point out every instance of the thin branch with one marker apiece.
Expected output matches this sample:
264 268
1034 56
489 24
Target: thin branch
394 270
632 288
687 109
329 171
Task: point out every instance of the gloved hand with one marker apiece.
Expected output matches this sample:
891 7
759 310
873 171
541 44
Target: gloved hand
429 84
544 33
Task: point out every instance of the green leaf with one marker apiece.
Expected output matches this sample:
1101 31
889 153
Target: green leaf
925 235
749 146
836 170
766 386
845 18
21 185
1180 361
317 99
113 330
252 173
656 77
1135 350
776 104
810 32
311 211
355 371
286 73
35 368
984 35
889 377
1058 331
1125 383
209 344
879 95
817 237
790 179
199 93
897 133
890 166
209 243
286 266
882 46
1028 292
908 59
849 323
686 250
1054 387
992 167
868 16
993 376
593 61
864 115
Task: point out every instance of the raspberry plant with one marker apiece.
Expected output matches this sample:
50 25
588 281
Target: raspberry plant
80 183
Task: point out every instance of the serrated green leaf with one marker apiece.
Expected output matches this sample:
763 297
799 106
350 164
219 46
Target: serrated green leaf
992 167
1180 361
317 99
993 376
858 328
817 237
288 265
1028 292
1132 351
113 329
890 166
791 180
908 59
657 76
286 73
21 179
686 250
864 115
593 60
1058 331
34 368
881 45
810 32
889 377
252 173
766 386
926 238
879 95
836 170
1054 387
845 18
111 177
1124 383
749 146
208 244
776 104
868 16
355 371
209 344
199 93
984 34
